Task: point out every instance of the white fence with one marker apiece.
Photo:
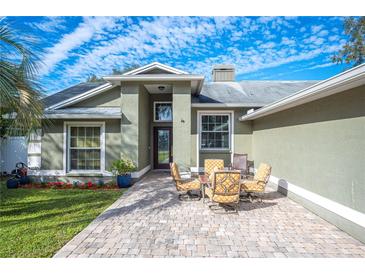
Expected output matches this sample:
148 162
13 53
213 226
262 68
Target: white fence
12 151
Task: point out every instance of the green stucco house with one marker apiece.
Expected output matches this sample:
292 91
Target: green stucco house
312 133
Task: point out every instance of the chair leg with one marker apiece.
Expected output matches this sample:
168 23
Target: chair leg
189 196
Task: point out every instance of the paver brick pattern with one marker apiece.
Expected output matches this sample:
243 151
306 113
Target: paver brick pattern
150 221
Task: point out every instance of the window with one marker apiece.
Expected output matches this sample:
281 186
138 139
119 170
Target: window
163 111
84 147
215 131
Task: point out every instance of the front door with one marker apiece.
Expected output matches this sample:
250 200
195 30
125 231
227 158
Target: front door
162 149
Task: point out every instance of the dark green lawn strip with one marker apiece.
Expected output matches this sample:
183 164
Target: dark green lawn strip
38 222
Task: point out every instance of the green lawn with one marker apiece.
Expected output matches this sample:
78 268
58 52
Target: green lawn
38 222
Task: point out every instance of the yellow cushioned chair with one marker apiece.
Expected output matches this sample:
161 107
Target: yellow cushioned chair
185 185
258 184
225 189
212 164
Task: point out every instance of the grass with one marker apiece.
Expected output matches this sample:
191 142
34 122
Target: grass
38 222
163 156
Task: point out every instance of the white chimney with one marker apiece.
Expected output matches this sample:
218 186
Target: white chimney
223 73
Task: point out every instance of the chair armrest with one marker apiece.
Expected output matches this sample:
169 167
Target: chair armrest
185 180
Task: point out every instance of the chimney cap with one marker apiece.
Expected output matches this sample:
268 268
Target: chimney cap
223 67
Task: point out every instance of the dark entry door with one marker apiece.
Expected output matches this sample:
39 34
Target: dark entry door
162 150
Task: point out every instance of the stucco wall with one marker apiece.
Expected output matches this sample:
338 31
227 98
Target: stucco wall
242 137
144 124
129 124
52 144
319 146
181 108
109 98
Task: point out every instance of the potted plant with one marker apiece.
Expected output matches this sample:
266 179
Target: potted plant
122 169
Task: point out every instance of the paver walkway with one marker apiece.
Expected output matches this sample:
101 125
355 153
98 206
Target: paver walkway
150 221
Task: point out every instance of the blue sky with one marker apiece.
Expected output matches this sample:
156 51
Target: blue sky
261 48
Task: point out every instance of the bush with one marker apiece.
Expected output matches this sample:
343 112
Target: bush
122 167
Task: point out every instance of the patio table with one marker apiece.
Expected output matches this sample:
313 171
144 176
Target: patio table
204 181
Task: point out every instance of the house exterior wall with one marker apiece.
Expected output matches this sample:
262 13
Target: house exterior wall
319 146
52 144
109 98
242 137
181 108
144 124
129 124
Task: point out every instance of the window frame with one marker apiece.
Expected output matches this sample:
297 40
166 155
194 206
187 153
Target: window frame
154 112
67 147
230 136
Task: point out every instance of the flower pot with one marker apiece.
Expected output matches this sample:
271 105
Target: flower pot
124 180
12 183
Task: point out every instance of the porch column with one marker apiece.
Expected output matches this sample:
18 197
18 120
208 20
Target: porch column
181 109
129 122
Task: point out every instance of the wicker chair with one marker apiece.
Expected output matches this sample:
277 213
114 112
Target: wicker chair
211 165
258 184
225 190
185 185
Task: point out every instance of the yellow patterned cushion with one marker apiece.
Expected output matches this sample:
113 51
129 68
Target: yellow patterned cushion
223 199
175 171
210 164
263 172
227 182
253 186
225 187
194 184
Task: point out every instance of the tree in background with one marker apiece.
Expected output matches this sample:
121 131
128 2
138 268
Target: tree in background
21 109
353 52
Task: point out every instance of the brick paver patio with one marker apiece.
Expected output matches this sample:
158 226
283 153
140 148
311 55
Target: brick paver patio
150 221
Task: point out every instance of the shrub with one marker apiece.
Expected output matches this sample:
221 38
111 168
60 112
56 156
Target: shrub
122 167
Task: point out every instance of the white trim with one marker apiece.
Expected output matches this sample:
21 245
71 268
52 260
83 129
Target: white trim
339 209
344 81
152 66
46 172
66 141
82 96
154 77
231 132
142 172
154 111
225 105
82 116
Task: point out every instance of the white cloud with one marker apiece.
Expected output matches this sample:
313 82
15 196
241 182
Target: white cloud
50 24
82 34
316 29
323 33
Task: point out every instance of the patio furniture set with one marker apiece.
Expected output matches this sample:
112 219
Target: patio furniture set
224 186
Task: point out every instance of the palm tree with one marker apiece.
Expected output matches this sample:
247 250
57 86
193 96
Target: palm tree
21 109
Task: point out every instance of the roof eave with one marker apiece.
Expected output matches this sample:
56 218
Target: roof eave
81 116
347 80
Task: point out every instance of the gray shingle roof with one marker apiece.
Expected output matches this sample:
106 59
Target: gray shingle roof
84 112
252 93
70 92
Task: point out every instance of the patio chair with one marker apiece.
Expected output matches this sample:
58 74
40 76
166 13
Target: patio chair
258 184
185 185
211 165
240 162
224 190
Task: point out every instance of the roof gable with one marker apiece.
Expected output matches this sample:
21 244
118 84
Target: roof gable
155 68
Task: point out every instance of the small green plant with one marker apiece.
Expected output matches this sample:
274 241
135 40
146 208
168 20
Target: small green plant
122 167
